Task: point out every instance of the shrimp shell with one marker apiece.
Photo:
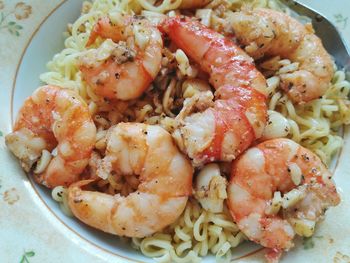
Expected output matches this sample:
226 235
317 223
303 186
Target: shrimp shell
54 117
284 166
165 177
266 32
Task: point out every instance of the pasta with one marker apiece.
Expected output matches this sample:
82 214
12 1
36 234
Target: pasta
315 125
196 228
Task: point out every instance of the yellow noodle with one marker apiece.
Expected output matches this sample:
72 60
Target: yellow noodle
196 232
319 120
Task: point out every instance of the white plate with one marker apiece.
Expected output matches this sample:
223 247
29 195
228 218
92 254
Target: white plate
30 221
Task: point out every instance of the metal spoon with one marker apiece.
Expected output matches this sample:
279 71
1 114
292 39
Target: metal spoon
329 34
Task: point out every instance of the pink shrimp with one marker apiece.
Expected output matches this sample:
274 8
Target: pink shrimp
165 177
238 116
266 32
54 117
284 166
133 62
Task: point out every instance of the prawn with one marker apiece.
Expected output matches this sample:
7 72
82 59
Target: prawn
54 117
238 116
266 32
133 61
149 152
265 171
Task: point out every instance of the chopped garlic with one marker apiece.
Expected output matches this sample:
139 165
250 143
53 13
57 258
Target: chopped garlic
190 91
192 87
295 173
141 36
172 13
277 126
43 162
289 68
204 15
154 17
274 207
183 61
211 188
292 198
94 57
303 227
116 18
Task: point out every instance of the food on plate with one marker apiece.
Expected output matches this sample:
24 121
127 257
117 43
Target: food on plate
177 89
210 188
53 118
221 58
219 130
266 32
262 175
134 53
224 128
161 175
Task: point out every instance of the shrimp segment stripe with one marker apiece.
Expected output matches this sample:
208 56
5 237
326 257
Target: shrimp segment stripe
52 117
149 152
232 73
220 57
273 166
139 61
223 123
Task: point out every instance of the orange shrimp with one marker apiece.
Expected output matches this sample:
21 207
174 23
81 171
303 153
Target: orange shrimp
268 169
165 177
223 60
266 32
238 116
134 58
54 117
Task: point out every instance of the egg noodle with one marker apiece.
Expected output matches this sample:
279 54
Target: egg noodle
315 125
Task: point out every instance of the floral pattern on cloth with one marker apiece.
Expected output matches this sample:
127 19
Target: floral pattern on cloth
8 19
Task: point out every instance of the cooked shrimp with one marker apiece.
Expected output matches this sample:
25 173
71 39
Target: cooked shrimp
132 62
224 61
54 117
267 170
238 116
165 177
226 128
266 32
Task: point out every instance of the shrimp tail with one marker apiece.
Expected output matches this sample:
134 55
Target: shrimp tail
149 153
86 205
97 31
82 183
104 28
